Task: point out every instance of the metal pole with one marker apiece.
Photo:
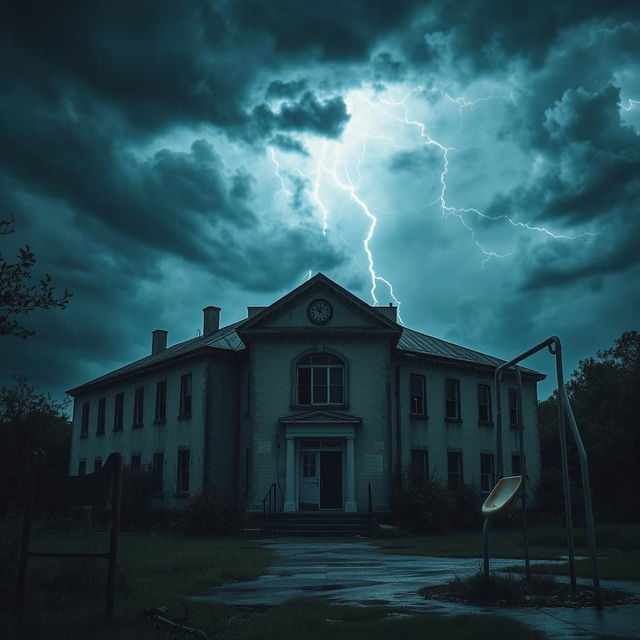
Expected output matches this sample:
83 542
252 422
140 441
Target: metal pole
523 472
499 461
588 507
485 547
556 350
564 408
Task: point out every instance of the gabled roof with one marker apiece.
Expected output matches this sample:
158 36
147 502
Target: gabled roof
228 339
320 280
225 339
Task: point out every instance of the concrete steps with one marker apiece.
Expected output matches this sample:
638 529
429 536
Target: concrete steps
317 523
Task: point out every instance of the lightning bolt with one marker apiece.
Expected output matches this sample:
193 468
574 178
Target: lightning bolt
630 104
344 173
283 188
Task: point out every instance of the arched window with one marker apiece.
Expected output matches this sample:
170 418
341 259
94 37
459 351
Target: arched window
320 379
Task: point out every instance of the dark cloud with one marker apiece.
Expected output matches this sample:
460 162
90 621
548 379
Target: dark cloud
338 30
279 89
287 143
489 35
133 156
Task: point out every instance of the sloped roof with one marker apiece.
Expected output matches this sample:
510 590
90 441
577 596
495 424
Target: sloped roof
419 343
226 339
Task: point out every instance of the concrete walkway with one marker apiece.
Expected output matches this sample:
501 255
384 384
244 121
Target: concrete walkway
355 572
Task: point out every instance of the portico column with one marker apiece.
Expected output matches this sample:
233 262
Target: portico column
350 477
289 481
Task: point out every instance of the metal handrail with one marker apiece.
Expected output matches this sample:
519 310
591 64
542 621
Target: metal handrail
370 511
270 500
564 410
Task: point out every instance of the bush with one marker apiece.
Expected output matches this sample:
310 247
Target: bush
466 507
137 494
208 515
422 507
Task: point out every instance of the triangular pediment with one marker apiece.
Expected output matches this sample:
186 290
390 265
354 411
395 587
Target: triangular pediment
320 417
317 306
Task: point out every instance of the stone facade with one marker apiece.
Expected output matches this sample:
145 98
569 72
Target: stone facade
329 403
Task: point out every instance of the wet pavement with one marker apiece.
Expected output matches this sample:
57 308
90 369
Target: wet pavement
355 572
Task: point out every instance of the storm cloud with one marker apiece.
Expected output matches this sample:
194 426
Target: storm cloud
159 157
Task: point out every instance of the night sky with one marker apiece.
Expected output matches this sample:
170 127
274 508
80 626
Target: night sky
479 162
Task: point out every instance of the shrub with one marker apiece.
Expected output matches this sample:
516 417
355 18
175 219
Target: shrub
207 514
466 503
422 507
137 494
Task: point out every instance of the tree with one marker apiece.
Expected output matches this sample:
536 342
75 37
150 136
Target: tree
605 398
18 295
29 420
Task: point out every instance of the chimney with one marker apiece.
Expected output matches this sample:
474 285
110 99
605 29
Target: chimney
254 311
158 341
211 320
391 312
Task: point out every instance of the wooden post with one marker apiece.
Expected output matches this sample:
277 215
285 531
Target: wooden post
115 527
29 499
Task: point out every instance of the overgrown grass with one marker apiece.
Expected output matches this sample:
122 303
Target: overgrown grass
315 619
66 598
496 589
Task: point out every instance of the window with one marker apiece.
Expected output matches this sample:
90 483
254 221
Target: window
138 408
486 472
417 395
82 467
484 404
97 464
102 405
136 462
182 483
84 425
156 471
452 399
419 465
161 402
513 407
185 396
118 412
516 467
320 379
454 462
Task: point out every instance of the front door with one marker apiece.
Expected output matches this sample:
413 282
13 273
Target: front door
310 480
331 479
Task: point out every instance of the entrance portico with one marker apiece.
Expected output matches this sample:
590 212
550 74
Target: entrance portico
320 461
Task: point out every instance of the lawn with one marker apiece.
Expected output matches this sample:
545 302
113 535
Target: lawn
618 548
66 598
